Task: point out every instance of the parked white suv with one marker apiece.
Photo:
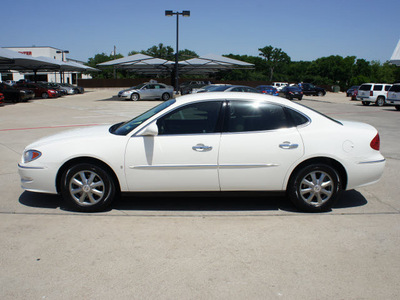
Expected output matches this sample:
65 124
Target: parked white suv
393 96
373 93
279 85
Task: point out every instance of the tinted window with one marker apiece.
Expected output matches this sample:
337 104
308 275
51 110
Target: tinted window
378 87
395 88
191 119
297 118
387 87
255 116
365 87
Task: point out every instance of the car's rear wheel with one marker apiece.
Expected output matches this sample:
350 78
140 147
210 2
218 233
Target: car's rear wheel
320 94
365 103
45 95
380 101
300 98
314 188
87 187
135 97
165 96
397 107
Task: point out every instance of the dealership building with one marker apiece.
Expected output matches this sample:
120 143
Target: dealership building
49 52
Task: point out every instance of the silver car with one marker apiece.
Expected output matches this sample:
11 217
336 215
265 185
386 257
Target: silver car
147 91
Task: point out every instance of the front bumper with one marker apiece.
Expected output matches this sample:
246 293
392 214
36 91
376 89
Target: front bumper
37 179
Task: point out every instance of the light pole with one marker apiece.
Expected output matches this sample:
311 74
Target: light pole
170 13
62 58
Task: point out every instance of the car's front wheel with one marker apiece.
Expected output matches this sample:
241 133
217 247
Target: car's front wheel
45 95
87 187
397 107
314 188
135 97
365 103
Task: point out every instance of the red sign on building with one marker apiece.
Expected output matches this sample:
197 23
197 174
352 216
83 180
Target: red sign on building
26 52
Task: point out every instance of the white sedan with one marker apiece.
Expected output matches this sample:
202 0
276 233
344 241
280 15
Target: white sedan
208 142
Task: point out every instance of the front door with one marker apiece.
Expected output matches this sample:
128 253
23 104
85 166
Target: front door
184 154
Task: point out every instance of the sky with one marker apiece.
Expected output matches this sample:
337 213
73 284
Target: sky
305 30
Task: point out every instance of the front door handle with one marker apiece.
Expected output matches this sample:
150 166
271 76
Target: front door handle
202 148
288 145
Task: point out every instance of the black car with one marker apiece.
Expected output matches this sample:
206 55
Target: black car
290 92
310 89
12 94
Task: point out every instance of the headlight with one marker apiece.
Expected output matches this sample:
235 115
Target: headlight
31 155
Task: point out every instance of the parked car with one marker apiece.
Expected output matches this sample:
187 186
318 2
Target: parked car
350 90
310 89
61 91
77 89
188 86
290 92
10 82
208 142
38 89
230 88
373 93
267 89
12 94
146 91
210 88
279 85
393 96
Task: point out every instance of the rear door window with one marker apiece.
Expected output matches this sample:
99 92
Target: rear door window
378 87
365 87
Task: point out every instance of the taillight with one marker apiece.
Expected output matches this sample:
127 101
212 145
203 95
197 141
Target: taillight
371 93
376 143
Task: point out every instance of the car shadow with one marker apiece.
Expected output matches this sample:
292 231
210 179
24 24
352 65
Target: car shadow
194 202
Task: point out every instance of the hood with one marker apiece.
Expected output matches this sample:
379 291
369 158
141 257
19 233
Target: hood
73 135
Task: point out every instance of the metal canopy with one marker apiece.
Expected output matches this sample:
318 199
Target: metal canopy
12 60
141 63
148 65
395 59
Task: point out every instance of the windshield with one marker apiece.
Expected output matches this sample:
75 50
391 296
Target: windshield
126 127
138 87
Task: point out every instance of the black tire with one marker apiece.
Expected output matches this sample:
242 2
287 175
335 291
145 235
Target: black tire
165 96
365 103
314 188
397 107
135 97
380 101
45 95
300 98
320 94
87 187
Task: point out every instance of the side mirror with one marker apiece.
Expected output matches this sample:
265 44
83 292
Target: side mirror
150 130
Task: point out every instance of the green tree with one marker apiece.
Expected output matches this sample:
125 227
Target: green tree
160 51
100 58
275 58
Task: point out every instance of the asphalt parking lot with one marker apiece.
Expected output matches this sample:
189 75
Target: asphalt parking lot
194 248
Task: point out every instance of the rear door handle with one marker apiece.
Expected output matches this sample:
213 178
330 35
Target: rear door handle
288 145
202 148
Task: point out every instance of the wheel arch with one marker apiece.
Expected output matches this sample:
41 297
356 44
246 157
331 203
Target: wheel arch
85 159
324 160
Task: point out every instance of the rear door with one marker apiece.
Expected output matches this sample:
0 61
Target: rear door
258 146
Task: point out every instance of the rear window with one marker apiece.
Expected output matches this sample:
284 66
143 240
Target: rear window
395 88
365 87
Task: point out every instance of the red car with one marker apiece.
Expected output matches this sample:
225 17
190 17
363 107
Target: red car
38 89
